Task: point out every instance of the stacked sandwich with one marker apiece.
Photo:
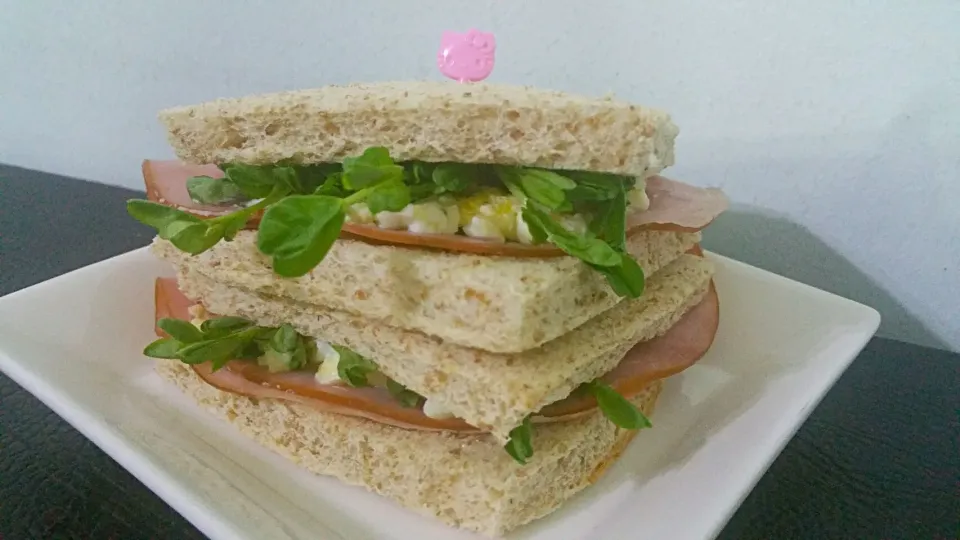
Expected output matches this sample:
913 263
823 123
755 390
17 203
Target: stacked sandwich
464 298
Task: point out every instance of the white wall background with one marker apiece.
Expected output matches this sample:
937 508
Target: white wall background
835 126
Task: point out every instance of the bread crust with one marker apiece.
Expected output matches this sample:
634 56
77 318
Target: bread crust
427 121
496 304
466 481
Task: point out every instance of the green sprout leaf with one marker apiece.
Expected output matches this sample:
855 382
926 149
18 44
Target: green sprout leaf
285 339
214 191
353 368
590 250
617 408
547 188
298 231
421 173
313 177
217 351
223 326
372 167
604 248
180 330
610 222
167 348
520 445
407 398
192 234
455 177
624 275
166 220
390 196
594 186
257 182
626 279
285 351
332 186
198 237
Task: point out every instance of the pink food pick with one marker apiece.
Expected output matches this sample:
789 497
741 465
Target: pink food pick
466 57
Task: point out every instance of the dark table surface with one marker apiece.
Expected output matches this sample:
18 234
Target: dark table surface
878 459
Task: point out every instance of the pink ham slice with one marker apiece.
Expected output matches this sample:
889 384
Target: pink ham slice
679 348
166 183
674 206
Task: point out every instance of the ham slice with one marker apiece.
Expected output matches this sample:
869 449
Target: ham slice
674 206
166 183
679 348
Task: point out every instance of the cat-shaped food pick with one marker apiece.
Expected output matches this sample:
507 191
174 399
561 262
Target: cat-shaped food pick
466 57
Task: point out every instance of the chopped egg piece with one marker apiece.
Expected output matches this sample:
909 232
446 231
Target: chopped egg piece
575 223
490 214
447 200
432 410
198 314
330 359
470 206
396 220
359 213
425 217
429 217
503 211
523 231
481 227
453 217
637 197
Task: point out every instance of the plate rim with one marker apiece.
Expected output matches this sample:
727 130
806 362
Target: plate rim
212 523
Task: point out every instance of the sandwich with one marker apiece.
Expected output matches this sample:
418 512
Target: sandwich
464 298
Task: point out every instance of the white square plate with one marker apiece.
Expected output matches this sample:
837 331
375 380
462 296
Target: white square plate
75 342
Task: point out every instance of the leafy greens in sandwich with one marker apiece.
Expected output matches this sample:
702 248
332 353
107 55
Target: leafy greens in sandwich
305 206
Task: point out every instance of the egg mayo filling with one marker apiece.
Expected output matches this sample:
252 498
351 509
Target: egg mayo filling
478 201
488 213
329 364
